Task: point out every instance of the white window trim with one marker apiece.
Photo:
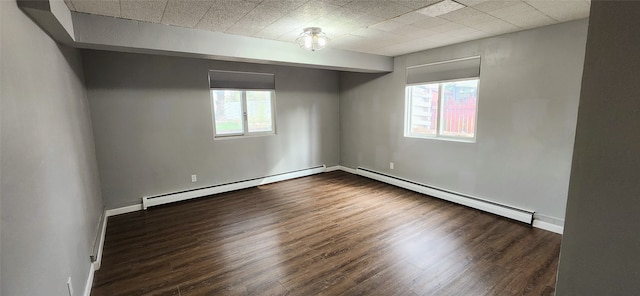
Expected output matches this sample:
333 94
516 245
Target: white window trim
438 135
245 133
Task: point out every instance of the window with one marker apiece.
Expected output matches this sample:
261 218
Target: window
442 108
242 103
445 110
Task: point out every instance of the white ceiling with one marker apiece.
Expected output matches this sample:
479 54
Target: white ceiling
388 28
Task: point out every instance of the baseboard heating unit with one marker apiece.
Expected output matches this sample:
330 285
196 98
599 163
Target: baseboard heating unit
149 201
521 215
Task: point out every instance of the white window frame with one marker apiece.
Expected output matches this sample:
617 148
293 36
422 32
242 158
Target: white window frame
438 136
245 119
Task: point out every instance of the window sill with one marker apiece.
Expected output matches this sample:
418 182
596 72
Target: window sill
449 139
256 135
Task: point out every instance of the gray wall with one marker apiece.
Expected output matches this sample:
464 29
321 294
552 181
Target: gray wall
599 254
153 126
50 190
529 90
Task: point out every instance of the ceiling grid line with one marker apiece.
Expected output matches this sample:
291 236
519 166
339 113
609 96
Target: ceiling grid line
213 2
390 28
540 11
164 10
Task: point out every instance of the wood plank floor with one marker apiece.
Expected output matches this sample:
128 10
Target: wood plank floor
328 234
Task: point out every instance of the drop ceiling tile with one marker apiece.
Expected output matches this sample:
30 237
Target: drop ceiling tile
477 17
476 35
529 19
287 24
224 14
185 13
496 27
380 37
101 7
346 15
410 18
430 22
414 32
383 42
466 32
307 19
416 4
509 11
402 29
376 44
284 6
257 19
335 28
461 14
471 2
346 39
388 26
441 8
380 8
446 27
445 38
562 10
347 47
457 39
337 2
488 6
367 33
366 20
312 10
143 10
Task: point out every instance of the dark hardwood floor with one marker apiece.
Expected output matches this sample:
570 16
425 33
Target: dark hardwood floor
330 234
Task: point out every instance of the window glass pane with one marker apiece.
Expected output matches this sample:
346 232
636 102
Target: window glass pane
228 111
459 100
259 111
423 109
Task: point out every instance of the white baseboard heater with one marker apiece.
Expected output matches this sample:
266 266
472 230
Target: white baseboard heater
149 201
473 202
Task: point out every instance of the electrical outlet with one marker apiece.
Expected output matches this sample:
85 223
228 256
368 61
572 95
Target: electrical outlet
70 286
391 165
194 178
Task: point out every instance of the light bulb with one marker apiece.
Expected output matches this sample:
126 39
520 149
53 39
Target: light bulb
322 42
308 42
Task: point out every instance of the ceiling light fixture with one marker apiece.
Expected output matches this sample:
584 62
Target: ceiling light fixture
440 8
312 38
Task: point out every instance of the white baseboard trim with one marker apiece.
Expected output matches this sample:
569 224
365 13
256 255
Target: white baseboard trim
149 201
100 245
103 232
548 226
139 207
89 284
332 168
521 215
123 210
537 223
340 168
